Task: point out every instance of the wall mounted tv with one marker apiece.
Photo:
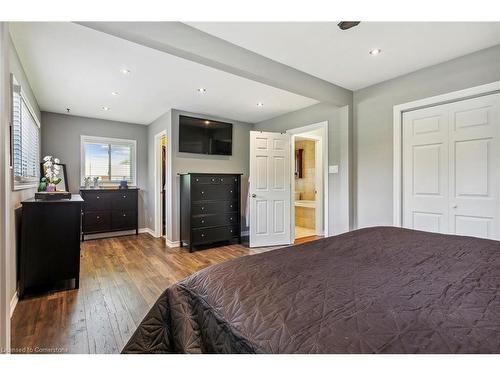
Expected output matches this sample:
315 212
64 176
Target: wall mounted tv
204 136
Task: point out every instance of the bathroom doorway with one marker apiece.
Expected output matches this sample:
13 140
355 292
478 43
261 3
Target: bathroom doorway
308 186
160 183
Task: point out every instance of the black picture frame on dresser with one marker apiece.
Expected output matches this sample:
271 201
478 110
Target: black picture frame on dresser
210 208
110 210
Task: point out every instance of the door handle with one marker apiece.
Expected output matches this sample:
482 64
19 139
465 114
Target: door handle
254 195
454 206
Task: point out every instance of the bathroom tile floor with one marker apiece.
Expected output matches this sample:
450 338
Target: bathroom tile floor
304 232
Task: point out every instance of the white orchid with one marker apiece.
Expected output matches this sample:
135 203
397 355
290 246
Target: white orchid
52 169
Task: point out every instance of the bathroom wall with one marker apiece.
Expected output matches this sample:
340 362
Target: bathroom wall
306 184
305 217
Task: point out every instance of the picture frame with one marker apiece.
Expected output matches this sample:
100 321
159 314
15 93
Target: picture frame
64 177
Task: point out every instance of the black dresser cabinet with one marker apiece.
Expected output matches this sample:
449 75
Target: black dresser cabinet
209 208
50 244
109 210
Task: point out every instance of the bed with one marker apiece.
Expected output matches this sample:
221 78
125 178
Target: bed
374 290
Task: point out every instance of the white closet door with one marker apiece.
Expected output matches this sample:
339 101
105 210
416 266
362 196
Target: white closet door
451 168
475 177
425 170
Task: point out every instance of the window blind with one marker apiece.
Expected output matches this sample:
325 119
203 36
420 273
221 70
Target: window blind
25 142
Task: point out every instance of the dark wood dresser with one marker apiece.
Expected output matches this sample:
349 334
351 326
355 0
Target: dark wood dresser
50 244
109 210
209 208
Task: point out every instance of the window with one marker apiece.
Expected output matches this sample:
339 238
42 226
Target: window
25 141
110 159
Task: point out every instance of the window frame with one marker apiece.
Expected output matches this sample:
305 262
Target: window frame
114 141
31 183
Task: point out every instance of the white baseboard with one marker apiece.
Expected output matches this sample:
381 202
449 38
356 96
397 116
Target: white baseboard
13 304
148 231
173 243
117 234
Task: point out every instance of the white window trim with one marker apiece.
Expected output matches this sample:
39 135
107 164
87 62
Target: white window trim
90 138
24 98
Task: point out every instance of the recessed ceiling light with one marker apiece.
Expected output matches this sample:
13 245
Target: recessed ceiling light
105 108
201 90
260 104
375 51
207 122
115 93
125 71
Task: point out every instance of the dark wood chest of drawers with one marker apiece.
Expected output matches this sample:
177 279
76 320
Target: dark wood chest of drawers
50 244
109 210
209 208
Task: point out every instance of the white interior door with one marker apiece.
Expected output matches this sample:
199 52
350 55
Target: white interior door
451 168
475 177
425 170
269 189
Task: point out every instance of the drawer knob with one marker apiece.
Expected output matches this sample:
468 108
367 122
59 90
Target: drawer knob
202 208
124 196
231 206
124 215
213 179
203 221
197 179
230 191
202 192
97 197
222 179
231 231
203 234
98 217
231 219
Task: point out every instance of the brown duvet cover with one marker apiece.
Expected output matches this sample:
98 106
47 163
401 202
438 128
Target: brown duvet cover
375 290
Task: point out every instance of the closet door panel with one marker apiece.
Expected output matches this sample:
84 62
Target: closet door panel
475 167
425 170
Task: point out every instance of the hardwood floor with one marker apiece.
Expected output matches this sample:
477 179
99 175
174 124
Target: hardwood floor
120 279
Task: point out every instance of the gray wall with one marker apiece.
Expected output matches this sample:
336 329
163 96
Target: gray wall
184 162
373 130
61 138
160 124
338 153
17 196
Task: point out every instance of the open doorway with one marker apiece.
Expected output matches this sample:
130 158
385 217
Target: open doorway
160 183
309 182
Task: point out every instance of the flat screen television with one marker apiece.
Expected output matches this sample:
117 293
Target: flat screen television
204 136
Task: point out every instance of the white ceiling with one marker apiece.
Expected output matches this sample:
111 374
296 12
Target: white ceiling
71 66
341 57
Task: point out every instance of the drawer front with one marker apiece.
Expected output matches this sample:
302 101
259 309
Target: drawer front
125 201
214 207
213 192
96 221
214 220
205 180
123 220
214 234
215 179
229 180
94 201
